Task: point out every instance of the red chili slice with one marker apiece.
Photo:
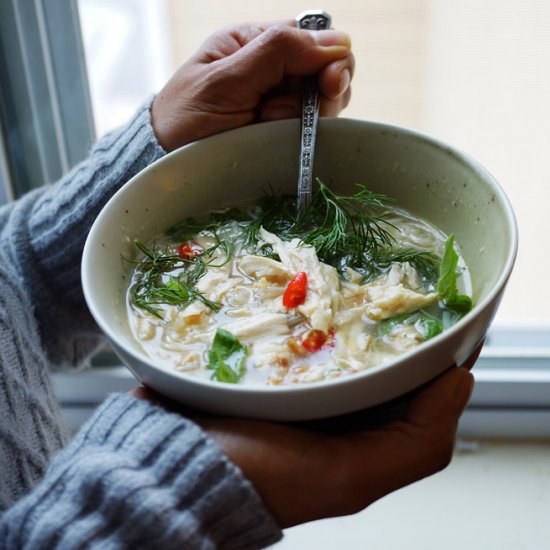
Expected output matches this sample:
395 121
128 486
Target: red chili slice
295 293
315 340
189 250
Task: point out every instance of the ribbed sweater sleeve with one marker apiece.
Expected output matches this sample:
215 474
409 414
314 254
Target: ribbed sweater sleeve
44 233
135 476
139 477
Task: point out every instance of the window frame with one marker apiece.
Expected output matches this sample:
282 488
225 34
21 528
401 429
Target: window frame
43 83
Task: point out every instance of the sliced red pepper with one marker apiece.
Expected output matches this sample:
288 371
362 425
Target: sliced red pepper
189 250
315 340
295 293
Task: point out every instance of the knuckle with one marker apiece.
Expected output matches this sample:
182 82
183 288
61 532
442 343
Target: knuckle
278 36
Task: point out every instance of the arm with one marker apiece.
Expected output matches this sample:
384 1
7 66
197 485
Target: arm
43 236
138 477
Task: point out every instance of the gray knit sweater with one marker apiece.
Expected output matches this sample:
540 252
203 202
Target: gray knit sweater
135 476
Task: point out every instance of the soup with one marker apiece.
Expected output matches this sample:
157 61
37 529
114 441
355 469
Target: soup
258 295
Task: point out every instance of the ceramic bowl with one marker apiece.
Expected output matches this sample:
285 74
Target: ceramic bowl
426 177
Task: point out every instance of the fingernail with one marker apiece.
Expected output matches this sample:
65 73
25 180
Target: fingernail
278 113
345 79
331 38
463 390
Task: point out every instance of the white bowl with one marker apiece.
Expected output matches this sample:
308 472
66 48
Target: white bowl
426 177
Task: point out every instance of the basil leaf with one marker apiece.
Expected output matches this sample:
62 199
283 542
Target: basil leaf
460 304
446 284
386 326
431 327
227 357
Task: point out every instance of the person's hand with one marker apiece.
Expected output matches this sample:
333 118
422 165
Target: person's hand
249 73
303 475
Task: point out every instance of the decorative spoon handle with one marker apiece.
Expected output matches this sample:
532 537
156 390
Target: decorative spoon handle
315 21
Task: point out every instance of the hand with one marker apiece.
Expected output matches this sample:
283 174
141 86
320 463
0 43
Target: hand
250 73
304 475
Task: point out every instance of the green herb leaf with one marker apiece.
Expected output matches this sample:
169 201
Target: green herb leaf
461 304
227 357
432 327
344 230
386 326
446 285
155 285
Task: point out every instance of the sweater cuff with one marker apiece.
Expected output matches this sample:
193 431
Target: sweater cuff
139 476
59 221
51 225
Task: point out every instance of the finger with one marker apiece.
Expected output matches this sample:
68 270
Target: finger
285 51
442 402
145 393
334 87
407 450
281 107
333 107
290 105
230 39
335 78
470 362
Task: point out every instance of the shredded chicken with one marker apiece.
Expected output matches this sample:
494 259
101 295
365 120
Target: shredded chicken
323 281
259 325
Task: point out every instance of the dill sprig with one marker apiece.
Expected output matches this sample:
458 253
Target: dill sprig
343 229
346 231
425 263
347 226
155 285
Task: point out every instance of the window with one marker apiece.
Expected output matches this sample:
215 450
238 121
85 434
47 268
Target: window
46 120
475 75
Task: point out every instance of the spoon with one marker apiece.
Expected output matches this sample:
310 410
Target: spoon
314 21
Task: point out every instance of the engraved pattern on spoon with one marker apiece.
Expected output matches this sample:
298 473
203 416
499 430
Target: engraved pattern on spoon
311 20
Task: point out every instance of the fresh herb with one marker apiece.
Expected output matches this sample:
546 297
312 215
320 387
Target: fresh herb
344 230
166 278
425 263
227 357
446 284
429 326
348 226
432 327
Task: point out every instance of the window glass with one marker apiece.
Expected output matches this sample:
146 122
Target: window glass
475 74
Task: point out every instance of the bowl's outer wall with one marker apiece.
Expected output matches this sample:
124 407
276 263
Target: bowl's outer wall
427 178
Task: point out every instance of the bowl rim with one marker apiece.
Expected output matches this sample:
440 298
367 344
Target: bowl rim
317 386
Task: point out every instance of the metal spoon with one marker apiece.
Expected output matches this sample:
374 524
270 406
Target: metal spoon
311 20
